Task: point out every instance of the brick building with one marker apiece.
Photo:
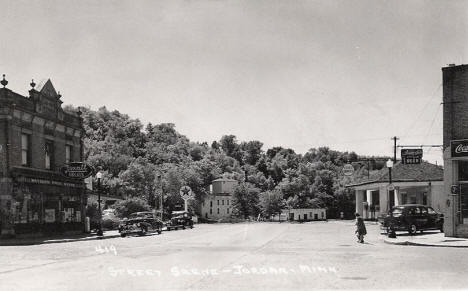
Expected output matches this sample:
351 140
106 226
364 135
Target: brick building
37 138
455 135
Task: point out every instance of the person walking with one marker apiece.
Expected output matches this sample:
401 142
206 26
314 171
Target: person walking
360 228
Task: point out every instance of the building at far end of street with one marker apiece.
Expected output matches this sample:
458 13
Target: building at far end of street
305 214
411 183
37 138
455 132
218 204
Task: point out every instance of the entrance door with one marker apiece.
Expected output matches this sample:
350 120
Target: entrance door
305 217
291 216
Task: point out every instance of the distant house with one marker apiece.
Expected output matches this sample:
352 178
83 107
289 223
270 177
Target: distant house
305 214
218 204
411 183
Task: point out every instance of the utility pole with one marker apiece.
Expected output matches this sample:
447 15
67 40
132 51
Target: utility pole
160 196
394 148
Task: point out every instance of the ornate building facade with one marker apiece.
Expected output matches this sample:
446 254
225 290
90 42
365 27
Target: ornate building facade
37 138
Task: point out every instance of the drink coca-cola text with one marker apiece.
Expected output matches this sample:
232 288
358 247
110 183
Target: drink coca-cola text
461 149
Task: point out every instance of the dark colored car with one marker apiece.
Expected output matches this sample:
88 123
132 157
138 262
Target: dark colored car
140 223
413 217
180 219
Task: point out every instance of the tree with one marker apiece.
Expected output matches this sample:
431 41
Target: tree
245 200
271 202
126 207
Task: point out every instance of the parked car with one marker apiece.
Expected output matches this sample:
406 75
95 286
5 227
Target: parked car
180 219
413 217
140 223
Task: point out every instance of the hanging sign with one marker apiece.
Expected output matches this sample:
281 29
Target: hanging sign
411 156
77 170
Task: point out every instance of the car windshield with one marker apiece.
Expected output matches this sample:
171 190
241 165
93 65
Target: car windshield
397 211
140 215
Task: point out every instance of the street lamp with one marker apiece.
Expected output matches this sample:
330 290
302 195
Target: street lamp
389 166
99 176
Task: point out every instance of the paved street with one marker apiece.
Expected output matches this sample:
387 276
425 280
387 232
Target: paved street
251 256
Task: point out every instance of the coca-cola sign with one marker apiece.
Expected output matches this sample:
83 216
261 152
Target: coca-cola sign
459 148
77 170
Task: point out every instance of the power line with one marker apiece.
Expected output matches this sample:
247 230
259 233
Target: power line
432 123
422 111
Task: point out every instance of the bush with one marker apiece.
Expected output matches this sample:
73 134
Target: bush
126 207
110 223
93 213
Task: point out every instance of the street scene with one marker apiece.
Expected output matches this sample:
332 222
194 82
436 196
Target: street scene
253 256
233 145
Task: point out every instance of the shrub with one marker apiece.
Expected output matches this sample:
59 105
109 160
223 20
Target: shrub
126 207
110 223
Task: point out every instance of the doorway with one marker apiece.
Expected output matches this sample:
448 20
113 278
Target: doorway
464 203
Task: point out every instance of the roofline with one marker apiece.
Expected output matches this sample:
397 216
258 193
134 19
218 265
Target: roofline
393 181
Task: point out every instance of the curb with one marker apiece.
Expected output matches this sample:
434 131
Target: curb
67 240
408 243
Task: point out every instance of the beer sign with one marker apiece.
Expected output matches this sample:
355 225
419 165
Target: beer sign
459 148
411 156
77 170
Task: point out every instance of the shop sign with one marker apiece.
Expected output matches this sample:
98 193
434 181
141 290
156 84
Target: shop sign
411 156
77 170
348 170
186 193
459 148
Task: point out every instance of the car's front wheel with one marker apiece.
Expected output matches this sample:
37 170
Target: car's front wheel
123 235
412 229
143 231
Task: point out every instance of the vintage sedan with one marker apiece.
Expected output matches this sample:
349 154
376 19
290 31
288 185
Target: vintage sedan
413 218
140 223
180 219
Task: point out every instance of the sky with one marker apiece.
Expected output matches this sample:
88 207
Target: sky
349 75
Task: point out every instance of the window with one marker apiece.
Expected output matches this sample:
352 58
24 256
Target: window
463 170
211 211
68 154
423 210
424 198
25 149
49 155
404 198
222 201
211 204
431 211
397 211
218 210
227 211
228 202
218 202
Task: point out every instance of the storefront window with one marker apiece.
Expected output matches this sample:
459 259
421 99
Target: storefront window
463 170
464 203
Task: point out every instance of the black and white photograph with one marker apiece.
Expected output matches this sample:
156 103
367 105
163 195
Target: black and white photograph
151 145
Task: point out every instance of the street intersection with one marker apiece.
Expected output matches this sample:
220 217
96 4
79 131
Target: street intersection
245 256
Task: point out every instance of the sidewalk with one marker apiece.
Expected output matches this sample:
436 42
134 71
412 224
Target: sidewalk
430 239
58 239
